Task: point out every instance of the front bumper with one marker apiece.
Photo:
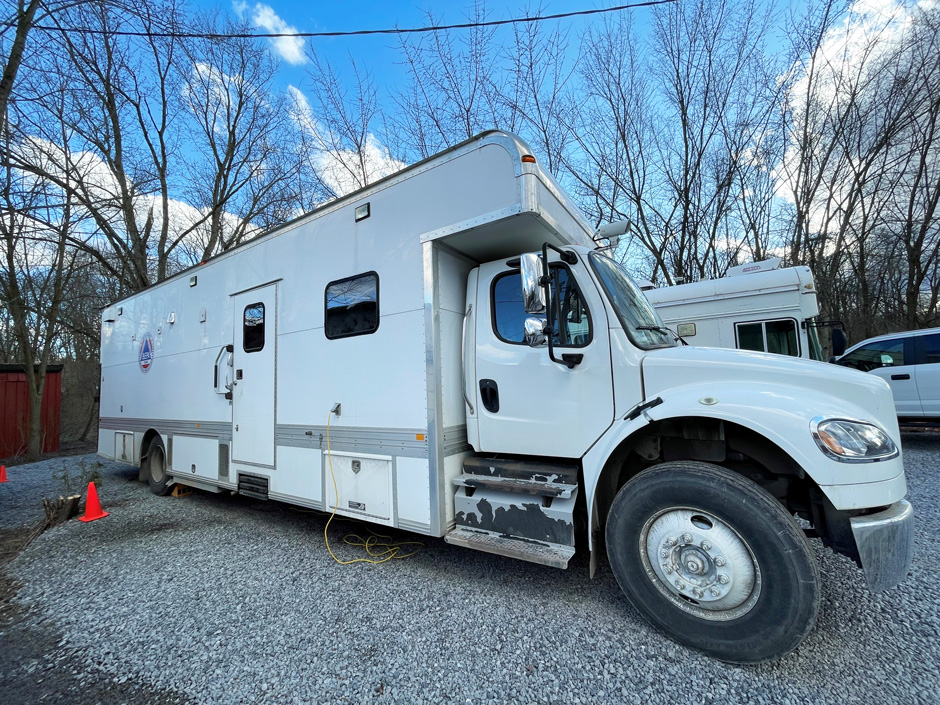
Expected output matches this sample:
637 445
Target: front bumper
885 542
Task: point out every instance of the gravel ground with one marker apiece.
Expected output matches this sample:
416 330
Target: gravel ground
222 599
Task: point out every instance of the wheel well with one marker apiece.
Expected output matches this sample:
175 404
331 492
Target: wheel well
144 450
723 443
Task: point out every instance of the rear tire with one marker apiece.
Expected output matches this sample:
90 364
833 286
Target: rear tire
714 561
156 469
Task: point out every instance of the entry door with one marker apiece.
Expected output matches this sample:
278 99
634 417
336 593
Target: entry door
527 403
255 339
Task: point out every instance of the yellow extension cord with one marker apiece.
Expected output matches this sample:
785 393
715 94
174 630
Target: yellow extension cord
389 549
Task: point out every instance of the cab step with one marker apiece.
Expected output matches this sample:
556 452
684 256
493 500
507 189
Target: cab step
550 554
559 473
539 487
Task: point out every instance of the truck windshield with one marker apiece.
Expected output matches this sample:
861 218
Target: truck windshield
812 335
639 319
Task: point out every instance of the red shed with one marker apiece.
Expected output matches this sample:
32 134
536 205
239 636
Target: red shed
14 401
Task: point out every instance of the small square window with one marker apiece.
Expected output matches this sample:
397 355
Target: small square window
352 306
253 328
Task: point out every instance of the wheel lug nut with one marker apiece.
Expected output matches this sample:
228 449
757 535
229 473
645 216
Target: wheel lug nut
680 585
724 579
664 554
686 538
667 569
719 561
698 592
671 541
715 592
707 546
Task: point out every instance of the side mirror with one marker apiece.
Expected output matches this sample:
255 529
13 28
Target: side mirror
839 342
535 332
832 360
533 293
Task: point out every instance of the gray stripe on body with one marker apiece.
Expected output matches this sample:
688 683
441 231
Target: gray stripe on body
356 439
222 430
455 440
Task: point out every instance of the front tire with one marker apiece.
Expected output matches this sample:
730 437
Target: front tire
155 469
714 561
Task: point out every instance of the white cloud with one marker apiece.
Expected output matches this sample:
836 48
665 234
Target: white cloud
291 49
343 170
847 57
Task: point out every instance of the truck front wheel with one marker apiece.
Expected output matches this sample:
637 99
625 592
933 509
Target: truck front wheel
714 561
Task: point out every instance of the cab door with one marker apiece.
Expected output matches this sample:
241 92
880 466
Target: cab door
527 403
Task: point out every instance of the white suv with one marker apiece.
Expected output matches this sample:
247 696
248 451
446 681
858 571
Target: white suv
909 362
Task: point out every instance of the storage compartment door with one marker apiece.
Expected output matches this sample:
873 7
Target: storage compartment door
363 485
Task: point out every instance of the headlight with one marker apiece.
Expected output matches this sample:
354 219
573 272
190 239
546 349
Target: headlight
852 441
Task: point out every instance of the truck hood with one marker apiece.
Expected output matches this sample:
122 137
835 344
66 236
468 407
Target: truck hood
690 365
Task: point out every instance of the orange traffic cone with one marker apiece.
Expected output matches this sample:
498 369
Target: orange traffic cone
93 508
3 473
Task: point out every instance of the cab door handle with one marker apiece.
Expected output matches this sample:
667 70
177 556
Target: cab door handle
900 376
489 395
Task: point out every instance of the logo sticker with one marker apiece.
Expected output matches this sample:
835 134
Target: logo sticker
145 356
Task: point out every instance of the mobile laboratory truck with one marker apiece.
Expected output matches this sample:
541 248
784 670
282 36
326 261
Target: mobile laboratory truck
481 372
754 306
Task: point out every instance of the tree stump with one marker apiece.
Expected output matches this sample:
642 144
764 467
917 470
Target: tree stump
60 510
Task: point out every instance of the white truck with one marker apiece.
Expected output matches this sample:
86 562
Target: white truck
481 372
754 307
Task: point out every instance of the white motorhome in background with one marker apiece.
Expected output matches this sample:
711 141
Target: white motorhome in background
754 307
448 344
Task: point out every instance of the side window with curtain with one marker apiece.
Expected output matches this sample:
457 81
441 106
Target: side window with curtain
769 336
572 320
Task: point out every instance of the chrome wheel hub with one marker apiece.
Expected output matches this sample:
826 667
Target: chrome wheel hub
700 563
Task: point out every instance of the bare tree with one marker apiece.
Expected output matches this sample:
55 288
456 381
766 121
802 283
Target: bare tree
452 92
37 268
245 173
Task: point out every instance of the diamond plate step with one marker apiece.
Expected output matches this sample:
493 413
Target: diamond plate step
553 555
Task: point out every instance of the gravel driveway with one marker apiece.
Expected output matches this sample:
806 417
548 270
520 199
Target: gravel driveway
221 599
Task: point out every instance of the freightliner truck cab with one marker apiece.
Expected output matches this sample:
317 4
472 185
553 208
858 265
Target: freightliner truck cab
700 471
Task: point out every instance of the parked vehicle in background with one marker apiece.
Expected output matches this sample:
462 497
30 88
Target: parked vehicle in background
909 362
754 307
447 352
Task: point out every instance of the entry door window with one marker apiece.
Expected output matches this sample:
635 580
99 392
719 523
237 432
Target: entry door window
253 328
769 336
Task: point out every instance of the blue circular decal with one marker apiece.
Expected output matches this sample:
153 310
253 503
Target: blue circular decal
145 356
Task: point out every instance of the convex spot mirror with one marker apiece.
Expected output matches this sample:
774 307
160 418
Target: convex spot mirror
535 332
533 293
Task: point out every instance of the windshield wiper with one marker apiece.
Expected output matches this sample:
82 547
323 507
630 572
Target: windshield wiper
664 331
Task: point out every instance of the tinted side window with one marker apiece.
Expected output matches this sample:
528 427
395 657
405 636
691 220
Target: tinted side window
253 328
781 338
932 352
751 336
769 336
352 306
572 320
882 353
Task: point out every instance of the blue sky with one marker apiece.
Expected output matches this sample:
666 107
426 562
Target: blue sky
378 54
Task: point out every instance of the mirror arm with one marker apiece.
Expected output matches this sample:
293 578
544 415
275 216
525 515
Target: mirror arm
568 361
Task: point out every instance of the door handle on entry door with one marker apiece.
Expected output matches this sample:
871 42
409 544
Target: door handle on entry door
489 395
900 376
